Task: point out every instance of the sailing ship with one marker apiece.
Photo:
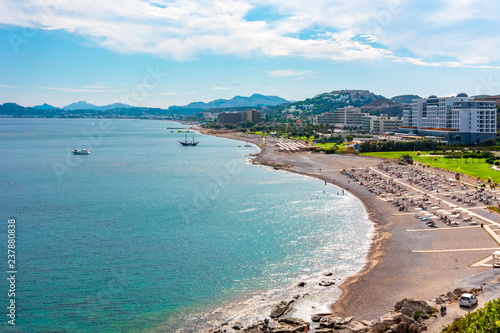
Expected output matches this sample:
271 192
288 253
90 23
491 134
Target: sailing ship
188 143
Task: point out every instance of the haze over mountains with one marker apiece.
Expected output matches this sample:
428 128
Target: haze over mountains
237 101
82 105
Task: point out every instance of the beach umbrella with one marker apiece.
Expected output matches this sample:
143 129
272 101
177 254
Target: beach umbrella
418 208
434 217
440 210
434 207
446 213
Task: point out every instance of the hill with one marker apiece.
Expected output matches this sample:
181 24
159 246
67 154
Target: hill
45 106
8 108
384 105
82 105
327 102
405 99
495 98
237 101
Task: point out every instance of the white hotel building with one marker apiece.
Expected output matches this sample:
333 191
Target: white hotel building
459 119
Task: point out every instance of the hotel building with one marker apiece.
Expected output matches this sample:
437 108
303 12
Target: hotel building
460 119
254 116
342 118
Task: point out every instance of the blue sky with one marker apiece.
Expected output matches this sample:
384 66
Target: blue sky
160 53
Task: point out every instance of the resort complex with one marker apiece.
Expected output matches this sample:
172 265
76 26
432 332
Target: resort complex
459 119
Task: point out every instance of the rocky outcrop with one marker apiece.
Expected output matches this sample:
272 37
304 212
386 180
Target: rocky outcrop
409 316
400 320
317 317
274 164
285 325
411 306
290 325
454 295
326 283
281 308
260 327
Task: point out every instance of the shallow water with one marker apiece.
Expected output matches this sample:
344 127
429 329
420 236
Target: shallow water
145 234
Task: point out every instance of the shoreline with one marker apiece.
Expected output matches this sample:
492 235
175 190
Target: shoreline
393 270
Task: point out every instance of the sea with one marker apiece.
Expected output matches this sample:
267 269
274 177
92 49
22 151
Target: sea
146 235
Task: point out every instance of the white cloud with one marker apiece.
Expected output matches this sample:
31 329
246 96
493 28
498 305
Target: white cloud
458 11
421 62
8 86
463 31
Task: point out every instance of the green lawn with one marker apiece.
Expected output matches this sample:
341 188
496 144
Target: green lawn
305 138
472 167
326 145
338 146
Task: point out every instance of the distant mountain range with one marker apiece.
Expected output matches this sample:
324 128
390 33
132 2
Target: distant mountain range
82 105
237 101
272 106
83 108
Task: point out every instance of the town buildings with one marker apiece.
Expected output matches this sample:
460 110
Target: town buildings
378 125
348 117
352 118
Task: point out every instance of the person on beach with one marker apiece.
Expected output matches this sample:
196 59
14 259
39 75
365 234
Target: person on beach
306 328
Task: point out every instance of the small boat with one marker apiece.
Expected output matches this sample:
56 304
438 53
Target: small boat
248 144
81 152
187 143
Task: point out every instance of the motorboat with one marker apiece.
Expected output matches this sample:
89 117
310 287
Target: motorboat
81 152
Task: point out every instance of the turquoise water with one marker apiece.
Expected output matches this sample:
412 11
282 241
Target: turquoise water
145 234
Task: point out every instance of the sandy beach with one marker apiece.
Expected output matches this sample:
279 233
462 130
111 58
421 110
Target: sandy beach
408 258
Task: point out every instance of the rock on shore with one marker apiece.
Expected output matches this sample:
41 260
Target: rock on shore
408 316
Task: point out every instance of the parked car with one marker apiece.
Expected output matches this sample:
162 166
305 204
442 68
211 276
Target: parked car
468 300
